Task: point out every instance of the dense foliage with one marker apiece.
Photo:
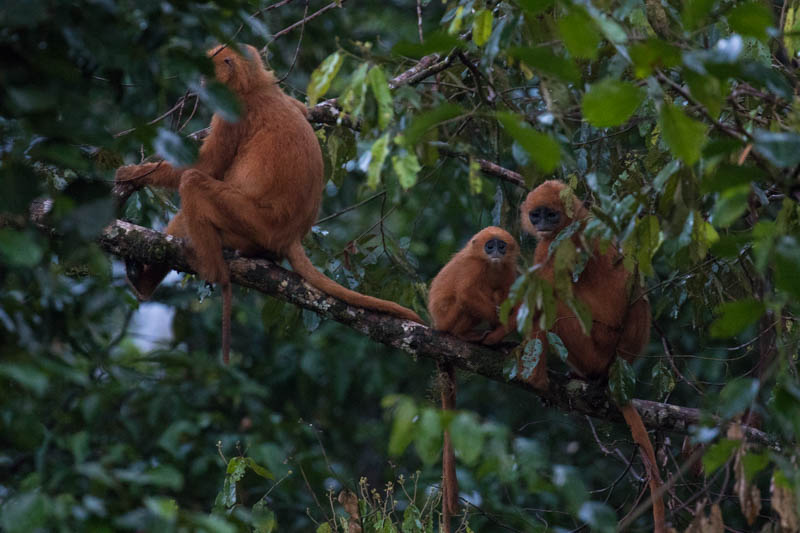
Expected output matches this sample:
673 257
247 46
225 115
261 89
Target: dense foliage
677 122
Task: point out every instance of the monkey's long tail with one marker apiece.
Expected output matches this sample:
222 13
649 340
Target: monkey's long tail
639 433
227 296
449 480
302 265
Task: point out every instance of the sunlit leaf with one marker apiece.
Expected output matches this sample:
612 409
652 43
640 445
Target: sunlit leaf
406 167
379 151
380 89
482 26
322 77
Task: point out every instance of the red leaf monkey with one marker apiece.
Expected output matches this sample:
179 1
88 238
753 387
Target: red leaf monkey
256 186
465 293
621 320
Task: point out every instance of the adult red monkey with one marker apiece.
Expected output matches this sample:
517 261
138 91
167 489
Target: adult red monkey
464 294
621 317
256 186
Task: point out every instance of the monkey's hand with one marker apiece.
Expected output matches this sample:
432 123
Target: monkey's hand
126 182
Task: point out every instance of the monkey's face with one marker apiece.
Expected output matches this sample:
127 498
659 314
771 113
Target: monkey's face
495 244
543 214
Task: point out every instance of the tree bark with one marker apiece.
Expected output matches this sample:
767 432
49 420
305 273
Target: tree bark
145 245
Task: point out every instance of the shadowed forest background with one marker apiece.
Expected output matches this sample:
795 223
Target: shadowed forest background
677 122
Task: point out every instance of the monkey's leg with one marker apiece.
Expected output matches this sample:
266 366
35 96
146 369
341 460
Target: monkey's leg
143 279
160 174
636 330
211 208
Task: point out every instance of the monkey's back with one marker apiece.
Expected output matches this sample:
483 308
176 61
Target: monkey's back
279 164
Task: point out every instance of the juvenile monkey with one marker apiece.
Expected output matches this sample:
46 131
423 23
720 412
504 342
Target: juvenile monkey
621 317
256 186
467 292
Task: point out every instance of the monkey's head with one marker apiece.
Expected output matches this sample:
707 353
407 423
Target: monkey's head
543 213
494 244
240 72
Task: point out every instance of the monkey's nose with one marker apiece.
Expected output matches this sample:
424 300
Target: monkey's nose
495 247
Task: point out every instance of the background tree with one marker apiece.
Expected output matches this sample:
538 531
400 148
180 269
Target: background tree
677 122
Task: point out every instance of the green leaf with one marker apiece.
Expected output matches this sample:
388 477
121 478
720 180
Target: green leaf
482 27
476 184
695 12
708 90
753 463
730 206
737 396
379 151
380 89
718 454
531 355
643 242
428 439
558 345
782 149
543 149
19 248
404 412
322 77
356 92
662 379
787 265
176 150
164 508
547 62
424 121
611 102
324 528
26 375
534 7
728 176
439 41
621 381
579 33
653 54
341 148
750 19
467 436
258 469
734 317
684 136
406 167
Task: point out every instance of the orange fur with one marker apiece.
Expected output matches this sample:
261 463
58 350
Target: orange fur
256 186
621 319
465 293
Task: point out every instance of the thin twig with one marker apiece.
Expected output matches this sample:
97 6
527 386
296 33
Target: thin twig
302 22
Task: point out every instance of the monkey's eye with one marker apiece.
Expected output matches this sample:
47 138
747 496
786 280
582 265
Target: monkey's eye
552 216
501 245
228 61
